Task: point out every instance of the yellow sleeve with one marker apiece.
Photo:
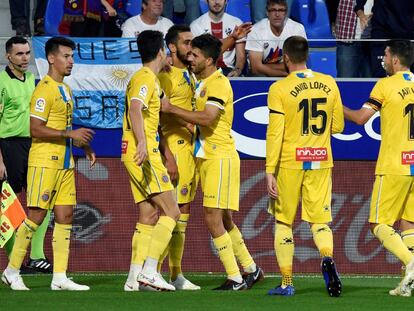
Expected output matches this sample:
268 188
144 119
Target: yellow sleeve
166 84
376 98
142 89
338 121
275 130
217 94
40 103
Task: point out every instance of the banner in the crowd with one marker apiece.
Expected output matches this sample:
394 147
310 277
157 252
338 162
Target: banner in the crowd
11 215
102 70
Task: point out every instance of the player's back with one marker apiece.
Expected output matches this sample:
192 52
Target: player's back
312 107
395 95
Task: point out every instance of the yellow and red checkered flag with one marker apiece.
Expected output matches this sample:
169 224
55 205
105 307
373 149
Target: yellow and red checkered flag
11 213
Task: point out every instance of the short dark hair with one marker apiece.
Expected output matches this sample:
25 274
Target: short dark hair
174 32
209 45
52 45
280 2
297 48
150 42
403 49
15 40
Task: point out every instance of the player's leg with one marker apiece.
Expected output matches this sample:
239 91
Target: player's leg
289 183
64 201
215 177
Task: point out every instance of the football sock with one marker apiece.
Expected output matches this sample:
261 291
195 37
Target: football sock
37 251
160 237
161 260
8 247
284 249
241 251
140 243
225 251
176 248
23 237
408 239
392 241
322 236
60 245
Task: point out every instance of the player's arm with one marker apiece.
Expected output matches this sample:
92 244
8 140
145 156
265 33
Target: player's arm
204 118
338 121
3 171
137 122
270 70
239 32
170 163
360 116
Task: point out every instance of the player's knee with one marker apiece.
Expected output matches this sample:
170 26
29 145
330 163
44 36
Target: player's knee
36 215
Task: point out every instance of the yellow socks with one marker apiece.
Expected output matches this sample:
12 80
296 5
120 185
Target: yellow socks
284 249
176 248
23 237
408 239
240 250
60 245
161 236
392 241
140 243
322 236
224 248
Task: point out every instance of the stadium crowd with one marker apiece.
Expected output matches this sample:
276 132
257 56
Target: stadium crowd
177 132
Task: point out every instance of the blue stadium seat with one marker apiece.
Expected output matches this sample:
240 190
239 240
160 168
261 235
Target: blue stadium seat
203 6
323 61
133 7
313 14
240 9
53 17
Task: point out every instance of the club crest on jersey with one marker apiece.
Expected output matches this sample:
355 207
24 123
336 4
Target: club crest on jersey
165 178
407 157
143 91
203 93
184 190
124 147
46 196
311 154
40 105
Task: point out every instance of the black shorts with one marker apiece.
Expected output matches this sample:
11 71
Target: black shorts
15 151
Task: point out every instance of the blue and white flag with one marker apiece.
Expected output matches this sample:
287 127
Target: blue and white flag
102 70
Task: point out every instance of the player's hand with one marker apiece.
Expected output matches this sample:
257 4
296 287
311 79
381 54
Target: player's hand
90 155
141 154
172 168
165 105
271 186
3 172
241 31
190 127
83 135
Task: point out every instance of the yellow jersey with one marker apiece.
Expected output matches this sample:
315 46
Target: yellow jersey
52 102
305 108
144 86
393 97
178 86
215 141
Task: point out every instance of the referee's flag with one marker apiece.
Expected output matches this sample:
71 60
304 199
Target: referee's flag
11 214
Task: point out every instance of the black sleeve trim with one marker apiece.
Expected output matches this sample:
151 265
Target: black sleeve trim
274 111
215 99
374 102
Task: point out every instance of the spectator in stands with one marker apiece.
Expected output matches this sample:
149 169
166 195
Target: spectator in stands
265 41
390 20
192 10
113 17
258 9
220 24
349 26
82 17
20 17
149 19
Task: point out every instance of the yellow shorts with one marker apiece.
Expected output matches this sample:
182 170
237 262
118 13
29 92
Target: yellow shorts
149 178
47 187
220 182
315 188
392 199
186 186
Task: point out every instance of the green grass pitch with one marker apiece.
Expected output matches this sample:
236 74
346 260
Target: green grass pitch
359 293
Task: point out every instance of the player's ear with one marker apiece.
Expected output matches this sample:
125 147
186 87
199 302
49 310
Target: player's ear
172 48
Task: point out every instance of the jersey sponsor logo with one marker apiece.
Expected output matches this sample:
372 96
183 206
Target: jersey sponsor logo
311 154
40 105
143 91
55 158
407 157
124 147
